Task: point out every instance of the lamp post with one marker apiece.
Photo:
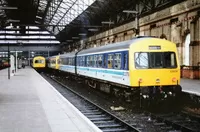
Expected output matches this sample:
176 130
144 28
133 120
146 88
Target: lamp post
136 20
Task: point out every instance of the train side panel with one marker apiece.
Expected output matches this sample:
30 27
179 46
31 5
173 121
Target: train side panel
110 75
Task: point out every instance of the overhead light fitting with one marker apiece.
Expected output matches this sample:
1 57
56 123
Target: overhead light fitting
107 22
75 37
93 29
130 11
69 40
11 20
38 17
8 8
82 34
94 7
100 0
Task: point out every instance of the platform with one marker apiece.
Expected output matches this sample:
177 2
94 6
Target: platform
28 103
190 86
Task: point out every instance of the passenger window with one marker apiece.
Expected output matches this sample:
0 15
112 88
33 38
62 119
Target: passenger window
88 61
95 60
125 61
100 60
117 59
104 59
91 61
110 61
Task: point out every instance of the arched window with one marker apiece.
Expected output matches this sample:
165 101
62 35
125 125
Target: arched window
187 50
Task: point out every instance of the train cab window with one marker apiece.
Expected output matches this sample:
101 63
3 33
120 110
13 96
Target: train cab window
141 60
117 61
169 60
39 61
155 60
59 61
110 61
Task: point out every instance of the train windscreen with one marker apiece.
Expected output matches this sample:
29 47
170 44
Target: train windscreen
154 60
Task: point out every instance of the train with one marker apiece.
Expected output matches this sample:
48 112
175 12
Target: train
145 66
4 63
38 63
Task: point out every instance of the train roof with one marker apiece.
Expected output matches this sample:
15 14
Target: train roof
38 57
110 47
68 55
115 46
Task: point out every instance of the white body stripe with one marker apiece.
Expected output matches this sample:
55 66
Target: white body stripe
110 75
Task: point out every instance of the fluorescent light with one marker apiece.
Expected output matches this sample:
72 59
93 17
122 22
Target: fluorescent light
37 22
89 12
69 40
93 29
16 51
8 8
130 11
75 37
11 20
107 22
94 7
100 0
82 34
38 17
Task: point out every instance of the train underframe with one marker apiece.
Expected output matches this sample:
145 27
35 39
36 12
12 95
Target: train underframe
144 96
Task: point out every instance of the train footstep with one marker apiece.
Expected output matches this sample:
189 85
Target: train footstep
120 108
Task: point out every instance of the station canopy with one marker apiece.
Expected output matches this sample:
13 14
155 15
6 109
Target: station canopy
72 20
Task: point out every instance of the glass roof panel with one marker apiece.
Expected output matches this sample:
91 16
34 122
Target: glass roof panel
67 12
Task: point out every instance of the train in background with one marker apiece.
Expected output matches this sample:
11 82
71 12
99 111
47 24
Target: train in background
38 63
145 66
4 63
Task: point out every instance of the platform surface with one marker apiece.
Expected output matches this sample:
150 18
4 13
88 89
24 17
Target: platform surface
191 86
28 103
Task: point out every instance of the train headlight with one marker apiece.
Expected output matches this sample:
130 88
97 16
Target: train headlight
174 79
157 80
140 80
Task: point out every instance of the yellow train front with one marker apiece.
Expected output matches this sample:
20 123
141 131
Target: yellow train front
39 63
54 62
154 68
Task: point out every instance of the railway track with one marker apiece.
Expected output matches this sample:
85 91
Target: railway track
180 121
106 121
103 119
